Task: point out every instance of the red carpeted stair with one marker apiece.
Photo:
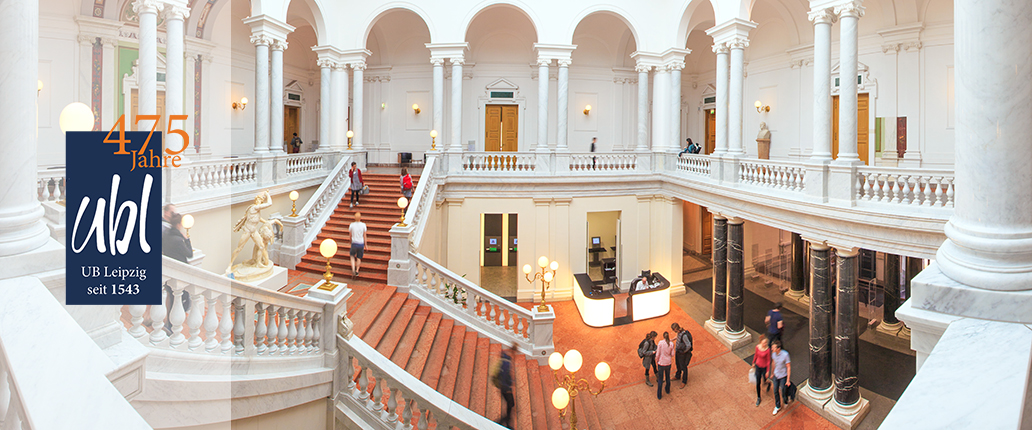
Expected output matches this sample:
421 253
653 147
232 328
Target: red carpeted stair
380 212
454 360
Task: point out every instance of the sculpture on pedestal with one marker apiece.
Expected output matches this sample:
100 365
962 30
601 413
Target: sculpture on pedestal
763 142
260 231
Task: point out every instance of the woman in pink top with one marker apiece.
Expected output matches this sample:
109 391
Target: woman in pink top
761 362
664 356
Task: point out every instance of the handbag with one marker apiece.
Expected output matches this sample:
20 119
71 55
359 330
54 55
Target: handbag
752 375
365 190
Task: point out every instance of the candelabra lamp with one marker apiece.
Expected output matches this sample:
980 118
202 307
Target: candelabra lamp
545 276
569 386
433 140
328 248
293 203
350 135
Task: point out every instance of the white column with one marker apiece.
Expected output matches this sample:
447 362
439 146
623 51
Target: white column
438 94
108 103
339 113
822 20
147 11
675 106
542 133
563 105
21 217
643 107
987 243
660 106
358 68
849 15
175 14
721 50
456 105
325 104
276 97
735 102
261 92
206 100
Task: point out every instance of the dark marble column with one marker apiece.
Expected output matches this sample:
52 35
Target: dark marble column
820 317
892 284
735 276
719 269
847 364
798 270
914 266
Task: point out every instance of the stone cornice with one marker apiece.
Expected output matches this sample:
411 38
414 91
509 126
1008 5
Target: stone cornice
733 31
269 27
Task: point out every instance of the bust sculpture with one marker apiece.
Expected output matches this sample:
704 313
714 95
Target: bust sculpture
764 132
260 231
763 142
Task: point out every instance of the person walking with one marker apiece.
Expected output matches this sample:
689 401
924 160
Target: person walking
593 141
357 231
295 144
356 183
761 362
406 184
775 323
502 378
647 352
683 353
664 356
781 368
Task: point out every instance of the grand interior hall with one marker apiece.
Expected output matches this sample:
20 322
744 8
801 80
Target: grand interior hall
581 173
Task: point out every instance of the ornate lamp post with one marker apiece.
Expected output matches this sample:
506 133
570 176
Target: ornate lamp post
328 248
293 203
545 276
351 134
569 386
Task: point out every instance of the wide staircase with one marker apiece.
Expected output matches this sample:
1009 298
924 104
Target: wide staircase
455 360
380 212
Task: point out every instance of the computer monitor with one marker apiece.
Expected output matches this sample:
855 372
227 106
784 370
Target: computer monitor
492 241
596 241
514 240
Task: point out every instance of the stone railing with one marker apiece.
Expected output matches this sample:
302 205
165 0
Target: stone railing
772 174
219 173
300 231
915 187
12 412
694 164
512 162
422 201
380 395
462 300
304 163
604 162
50 183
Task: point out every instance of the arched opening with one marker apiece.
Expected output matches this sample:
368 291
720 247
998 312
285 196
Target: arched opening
602 76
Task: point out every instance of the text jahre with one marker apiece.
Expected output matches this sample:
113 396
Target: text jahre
114 220
153 160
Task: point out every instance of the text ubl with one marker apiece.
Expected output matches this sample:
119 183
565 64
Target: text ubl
114 219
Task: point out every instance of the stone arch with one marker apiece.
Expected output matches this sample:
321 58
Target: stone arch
608 10
689 20
387 8
535 22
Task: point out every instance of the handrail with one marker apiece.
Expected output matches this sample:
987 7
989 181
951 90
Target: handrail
320 206
12 413
422 199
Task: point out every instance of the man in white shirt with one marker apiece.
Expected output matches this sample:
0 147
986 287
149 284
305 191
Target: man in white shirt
781 368
357 230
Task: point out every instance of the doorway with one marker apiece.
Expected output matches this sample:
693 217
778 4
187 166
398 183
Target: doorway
603 233
499 254
862 106
291 124
711 131
160 112
501 123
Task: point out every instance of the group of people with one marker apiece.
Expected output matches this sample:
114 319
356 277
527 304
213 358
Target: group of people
659 356
772 364
357 229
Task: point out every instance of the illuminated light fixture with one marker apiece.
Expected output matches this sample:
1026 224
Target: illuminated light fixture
760 107
242 104
569 386
587 109
293 203
76 117
433 140
188 223
39 86
350 135
383 105
415 108
328 248
545 276
402 203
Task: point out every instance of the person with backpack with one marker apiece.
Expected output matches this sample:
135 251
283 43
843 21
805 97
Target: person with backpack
356 183
683 353
406 185
775 323
647 353
501 377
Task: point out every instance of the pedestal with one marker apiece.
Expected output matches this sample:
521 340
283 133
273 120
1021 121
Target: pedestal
45 258
763 149
732 341
274 278
330 293
822 403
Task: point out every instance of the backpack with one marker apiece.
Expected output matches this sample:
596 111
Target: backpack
684 342
641 348
496 372
406 182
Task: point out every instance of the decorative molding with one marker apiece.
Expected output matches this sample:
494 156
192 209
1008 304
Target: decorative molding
564 62
176 11
278 45
261 39
324 63
147 6
853 8
358 65
738 43
544 62
457 61
720 48
642 68
437 61
822 16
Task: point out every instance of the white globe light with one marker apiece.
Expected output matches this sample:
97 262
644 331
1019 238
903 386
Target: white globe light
76 117
572 361
328 248
402 202
549 276
433 133
560 398
602 371
293 196
543 262
555 361
526 269
554 266
188 221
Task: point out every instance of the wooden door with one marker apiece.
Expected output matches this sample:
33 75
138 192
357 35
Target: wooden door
510 124
862 123
136 107
707 230
291 124
501 124
711 131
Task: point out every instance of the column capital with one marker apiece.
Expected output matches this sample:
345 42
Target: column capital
109 41
846 251
176 10
261 39
447 50
340 67
147 6
565 62
642 68
720 48
544 62
437 61
325 63
738 43
817 244
677 65
735 220
853 8
457 61
822 16
87 39
358 65
732 32
278 45
269 27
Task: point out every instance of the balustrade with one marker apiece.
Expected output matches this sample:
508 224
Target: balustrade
304 163
499 162
694 164
12 411
916 187
772 174
606 162
211 174
50 184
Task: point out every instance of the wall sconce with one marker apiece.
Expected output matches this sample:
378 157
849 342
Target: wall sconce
350 135
39 87
328 248
587 109
433 140
293 203
188 222
76 116
415 108
760 107
383 105
402 203
241 104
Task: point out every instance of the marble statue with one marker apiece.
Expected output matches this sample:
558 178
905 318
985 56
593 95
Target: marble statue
258 230
764 132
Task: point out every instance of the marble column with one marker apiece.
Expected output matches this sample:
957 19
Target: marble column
893 278
735 277
21 216
357 104
542 132
722 51
660 106
325 103
643 107
147 11
987 245
261 92
339 113
675 105
719 318
798 270
562 102
175 14
846 364
849 17
735 96
276 136
914 266
819 383
438 64
822 21
456 105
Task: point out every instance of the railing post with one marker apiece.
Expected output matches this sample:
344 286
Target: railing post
292 247
562 163
816 181
541 334
729 166
643 161
336 306
400 269
841 182
265 171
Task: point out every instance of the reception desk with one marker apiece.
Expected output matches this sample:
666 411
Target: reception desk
598 308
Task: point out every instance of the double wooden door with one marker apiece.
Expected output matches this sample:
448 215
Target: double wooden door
862 105
502 128
135 107
291 124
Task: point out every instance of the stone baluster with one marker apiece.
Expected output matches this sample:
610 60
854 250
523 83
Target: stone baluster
316 335
211 322
177 315
868 191
906 198
310 332
492 314
928 192
157 317
512 322
895 190
949 192
938 191
406 415
282 331
226 324
261 329
859 187
238 326
355 377
137 311
389 414
291 342
272 332
373 399
519 327
423 421
195 318
886 187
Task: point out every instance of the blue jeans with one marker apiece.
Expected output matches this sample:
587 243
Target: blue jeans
662 375
779 390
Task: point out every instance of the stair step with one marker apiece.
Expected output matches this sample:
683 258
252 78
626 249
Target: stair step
433 360
588 416
481 375
537 397
369 311
452 361
493 395
523 411
465 369
547 387
383 321
415 344
389 341
408 339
